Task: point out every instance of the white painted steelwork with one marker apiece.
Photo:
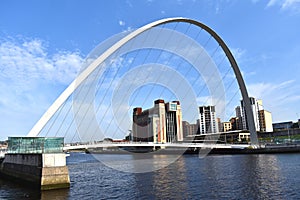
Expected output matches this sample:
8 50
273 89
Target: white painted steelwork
84 74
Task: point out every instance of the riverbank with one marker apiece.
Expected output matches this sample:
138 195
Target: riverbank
271 149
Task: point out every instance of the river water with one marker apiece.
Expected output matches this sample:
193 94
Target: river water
269 176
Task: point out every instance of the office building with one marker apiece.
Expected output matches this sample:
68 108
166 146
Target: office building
265 121
262 118
226 126
255 109
282 125
236 123
238 119
238 112
185 129
190 129
160 124
207 120
220 126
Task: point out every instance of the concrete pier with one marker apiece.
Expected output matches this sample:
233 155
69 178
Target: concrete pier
46 168
49 171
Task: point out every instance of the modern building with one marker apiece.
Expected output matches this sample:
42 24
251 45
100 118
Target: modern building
238 111
207 120
262 117
236 123
226 126
190 129
185 129
282 125
160 124
265 121
238 119
259 103
255 108
220 126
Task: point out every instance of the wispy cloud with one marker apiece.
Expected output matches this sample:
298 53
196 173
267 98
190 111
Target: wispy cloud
277 97
125 27
26 61
238 54
129 3
28 76
286 5
121 23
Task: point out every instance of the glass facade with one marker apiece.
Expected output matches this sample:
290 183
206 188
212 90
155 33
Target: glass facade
35 145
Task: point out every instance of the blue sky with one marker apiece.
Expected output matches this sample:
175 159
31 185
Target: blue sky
43 43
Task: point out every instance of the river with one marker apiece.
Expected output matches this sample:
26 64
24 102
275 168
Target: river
264 176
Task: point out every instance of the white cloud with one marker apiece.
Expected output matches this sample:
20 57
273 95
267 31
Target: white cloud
263 89
271 3
128 29
30 80
121 23
238 54
292 5
278 98
28 61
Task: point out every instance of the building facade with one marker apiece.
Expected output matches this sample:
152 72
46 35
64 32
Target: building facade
282 125
207 120
255 109
238 119
226 126
160 124
265 121
262 118
236 123
190 129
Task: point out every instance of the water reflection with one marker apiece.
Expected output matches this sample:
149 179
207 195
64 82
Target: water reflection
19 190
137 162
55 194
212 177
251 176
166 183
264 176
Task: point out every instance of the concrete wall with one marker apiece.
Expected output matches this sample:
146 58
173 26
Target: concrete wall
55 178
49 171
54 160
24 159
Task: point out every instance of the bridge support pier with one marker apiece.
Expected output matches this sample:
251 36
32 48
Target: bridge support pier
37 160
47 171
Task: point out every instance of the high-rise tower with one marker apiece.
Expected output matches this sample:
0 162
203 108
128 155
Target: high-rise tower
208 120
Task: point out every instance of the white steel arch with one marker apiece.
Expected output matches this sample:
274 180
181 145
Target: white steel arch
88 70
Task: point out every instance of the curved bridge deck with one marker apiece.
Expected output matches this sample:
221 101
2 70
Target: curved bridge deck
151 144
